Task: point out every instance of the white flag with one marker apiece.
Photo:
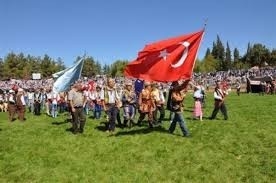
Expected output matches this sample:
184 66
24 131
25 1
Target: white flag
67 77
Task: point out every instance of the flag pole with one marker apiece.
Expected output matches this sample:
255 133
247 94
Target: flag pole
205 23
83 59
200 42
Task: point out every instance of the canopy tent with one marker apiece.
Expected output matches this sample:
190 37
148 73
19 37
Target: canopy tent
254 84
255 68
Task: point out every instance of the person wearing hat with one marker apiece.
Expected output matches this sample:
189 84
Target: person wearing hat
77 102
20 103
219 96
146 105
112 104
11 105
169 101
159 100
177 97
129 101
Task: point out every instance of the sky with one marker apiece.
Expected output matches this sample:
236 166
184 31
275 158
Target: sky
110 30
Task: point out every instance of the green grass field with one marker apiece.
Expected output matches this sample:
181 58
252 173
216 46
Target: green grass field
242 149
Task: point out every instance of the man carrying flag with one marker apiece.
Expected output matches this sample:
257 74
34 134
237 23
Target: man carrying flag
169 60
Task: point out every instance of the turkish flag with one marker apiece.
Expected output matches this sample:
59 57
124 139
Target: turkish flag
167 60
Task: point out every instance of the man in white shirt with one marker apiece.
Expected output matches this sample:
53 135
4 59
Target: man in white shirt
30 95
98 99
55 98
219 96
111 104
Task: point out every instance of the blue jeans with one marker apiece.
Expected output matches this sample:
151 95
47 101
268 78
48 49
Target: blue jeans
54 110
31 106
171 116
97 114
129 112
178 117
86 109
42 104
97 111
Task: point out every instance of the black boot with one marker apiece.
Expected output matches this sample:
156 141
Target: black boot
82 124
150 125
130 123
125 123
139 123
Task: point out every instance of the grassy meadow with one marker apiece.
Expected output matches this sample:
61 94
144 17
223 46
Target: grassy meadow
242 149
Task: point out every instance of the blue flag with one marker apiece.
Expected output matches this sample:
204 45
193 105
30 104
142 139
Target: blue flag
58 74
68 77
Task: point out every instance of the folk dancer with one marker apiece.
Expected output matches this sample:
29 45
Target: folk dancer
97 97
112 103
146 105
37 102
219 96
177 97
77 102
129 101
20 103
159 100
197 111
12 105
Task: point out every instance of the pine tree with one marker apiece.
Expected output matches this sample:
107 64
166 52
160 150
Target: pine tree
237 63
214 52
208 52
228 57
220 55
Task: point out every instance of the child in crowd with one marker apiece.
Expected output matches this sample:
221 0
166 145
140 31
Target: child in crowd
197 112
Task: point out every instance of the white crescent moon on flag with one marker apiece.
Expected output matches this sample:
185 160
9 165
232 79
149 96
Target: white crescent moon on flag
184 55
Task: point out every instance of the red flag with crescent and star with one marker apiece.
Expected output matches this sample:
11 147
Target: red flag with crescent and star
167 60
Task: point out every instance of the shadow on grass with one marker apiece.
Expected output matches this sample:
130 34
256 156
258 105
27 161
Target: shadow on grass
102 127
61 123
195 119
91 117
69 129
147 130
188 110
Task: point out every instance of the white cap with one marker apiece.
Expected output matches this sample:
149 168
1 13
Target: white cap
11 91
197 94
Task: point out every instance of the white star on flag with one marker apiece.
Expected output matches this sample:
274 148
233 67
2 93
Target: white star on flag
164 54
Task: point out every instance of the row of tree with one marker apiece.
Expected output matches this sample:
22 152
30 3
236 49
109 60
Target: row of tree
218 58
20 66
223 59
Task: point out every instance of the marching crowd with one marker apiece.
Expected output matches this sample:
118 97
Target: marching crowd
112 97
